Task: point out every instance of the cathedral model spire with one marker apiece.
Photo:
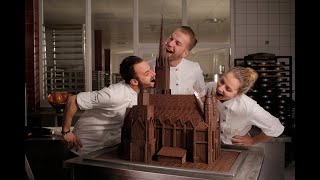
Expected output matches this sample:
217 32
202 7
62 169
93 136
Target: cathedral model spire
162 67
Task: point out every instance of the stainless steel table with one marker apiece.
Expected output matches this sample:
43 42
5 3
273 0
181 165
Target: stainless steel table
86 167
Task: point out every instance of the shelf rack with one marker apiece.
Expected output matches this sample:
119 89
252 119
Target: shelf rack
273 89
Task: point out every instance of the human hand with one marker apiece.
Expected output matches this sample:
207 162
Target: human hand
72 141
245 140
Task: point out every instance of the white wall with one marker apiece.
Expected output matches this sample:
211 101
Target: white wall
265 26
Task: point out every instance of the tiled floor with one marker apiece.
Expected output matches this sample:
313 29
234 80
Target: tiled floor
289 173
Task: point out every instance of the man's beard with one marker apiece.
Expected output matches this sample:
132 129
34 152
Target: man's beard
144 86
140 84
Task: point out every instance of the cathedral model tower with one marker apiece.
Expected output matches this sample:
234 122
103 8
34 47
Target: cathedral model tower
165 127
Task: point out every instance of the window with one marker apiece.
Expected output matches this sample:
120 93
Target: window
131 27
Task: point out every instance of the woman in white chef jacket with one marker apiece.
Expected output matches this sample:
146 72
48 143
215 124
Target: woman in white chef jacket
238 112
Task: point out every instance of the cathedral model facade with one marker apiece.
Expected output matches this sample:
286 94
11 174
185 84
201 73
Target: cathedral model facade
172 128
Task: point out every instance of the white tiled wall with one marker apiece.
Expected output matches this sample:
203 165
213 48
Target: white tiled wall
265 26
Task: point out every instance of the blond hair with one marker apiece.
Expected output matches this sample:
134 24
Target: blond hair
247 77
187 30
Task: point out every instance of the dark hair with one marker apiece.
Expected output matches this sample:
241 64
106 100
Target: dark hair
189 31
126 68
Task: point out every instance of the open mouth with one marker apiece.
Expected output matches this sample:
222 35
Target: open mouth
219 94
169 51
153 80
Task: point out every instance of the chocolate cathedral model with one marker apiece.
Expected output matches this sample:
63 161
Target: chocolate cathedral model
165 127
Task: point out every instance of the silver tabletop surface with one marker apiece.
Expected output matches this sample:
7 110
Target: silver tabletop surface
247 168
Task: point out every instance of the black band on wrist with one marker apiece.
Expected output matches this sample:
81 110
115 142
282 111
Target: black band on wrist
64 133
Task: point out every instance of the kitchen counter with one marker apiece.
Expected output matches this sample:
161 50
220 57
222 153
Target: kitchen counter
45 155
281 139
274 156
86 167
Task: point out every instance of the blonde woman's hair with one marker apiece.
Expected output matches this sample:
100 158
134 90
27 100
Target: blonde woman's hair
247 77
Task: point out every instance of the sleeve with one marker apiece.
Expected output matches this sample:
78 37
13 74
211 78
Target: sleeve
90 100
199 85
269 124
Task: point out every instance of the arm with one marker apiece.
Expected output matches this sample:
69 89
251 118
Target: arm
69 111
247 140
269 125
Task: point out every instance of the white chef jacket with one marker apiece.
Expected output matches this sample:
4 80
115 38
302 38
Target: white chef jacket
238 114
100 125
185 78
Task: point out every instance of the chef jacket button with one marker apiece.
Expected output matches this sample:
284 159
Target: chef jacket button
221 131
225 107
177 84
177 69
224 120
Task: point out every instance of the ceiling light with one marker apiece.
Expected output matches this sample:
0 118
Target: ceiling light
214 20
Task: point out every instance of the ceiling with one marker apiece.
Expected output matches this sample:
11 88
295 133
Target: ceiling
114 17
